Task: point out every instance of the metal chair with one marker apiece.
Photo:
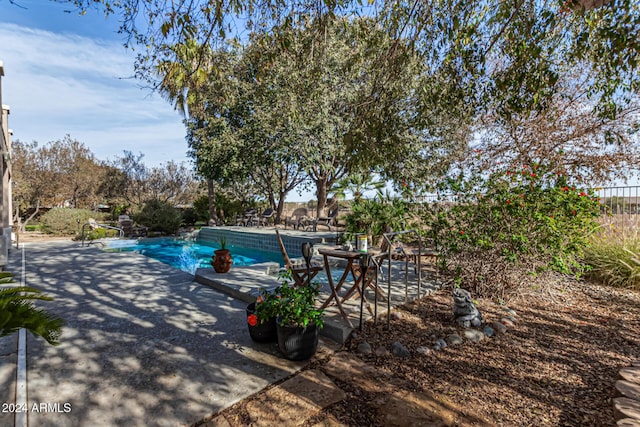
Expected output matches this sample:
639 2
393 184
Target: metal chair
298 269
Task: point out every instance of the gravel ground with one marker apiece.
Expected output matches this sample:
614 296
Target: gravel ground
556 366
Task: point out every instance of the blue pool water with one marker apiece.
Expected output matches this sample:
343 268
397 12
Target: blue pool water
188 255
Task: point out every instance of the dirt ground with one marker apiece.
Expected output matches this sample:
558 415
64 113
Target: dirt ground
556 366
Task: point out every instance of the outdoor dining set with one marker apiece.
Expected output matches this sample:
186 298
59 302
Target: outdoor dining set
361 269
298 220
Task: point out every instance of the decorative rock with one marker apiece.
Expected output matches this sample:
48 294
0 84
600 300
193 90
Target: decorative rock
631 374
506 322
510 312
513 319
364 348
423 350
628 422
499 328
399 350
623 407
440 344
464 310
396 315
474 335
382 352
454 339
488 331
628 389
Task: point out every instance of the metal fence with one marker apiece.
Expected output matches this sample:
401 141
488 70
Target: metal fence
620 200
620 205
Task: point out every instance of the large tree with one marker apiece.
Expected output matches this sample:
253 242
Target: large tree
130 183
316 107
495 57
535 39
59 173
566 136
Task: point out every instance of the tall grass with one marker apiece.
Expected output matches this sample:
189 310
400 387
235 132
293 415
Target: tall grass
614 255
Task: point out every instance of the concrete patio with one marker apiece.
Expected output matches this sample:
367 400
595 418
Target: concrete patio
145 344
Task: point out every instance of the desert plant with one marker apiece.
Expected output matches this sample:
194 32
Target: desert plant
17 311
223 242
614 256
374 216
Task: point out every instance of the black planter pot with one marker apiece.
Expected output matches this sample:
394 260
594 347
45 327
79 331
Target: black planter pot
297 343
261 332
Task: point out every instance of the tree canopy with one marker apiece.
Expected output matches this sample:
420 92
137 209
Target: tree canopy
508 51
316 109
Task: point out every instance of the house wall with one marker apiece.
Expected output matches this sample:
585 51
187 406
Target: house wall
5 183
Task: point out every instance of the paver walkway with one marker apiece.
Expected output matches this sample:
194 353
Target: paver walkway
144 345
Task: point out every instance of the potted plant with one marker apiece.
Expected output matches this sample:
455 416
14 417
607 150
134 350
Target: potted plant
221 261
298 320
261 317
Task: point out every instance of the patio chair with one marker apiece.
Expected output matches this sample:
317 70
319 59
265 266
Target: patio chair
246 218
298 268
329 221
266 217
298 218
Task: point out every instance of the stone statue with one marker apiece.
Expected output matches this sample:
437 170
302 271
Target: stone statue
464 310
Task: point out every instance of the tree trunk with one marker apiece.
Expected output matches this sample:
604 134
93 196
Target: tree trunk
213 218
279 209
35 212
321 194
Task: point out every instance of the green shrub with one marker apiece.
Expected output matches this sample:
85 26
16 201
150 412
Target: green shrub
614 256
18 311
293 305
374 216
159 216
201 209
507 227
189 216
67 222
100 233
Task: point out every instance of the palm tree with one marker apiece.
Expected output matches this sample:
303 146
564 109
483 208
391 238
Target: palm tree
183 82
357 183
17 311
184 78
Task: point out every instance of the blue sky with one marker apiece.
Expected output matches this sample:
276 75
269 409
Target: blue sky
70 74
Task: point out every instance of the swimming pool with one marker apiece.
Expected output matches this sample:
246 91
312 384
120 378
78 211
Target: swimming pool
188 255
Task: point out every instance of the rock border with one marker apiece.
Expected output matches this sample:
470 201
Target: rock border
472 334
626 404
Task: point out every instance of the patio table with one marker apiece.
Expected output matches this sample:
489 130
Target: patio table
350 269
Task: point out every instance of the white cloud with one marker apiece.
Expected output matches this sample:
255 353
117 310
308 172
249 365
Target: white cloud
58 84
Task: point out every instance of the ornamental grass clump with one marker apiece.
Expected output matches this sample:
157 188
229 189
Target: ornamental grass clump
614 255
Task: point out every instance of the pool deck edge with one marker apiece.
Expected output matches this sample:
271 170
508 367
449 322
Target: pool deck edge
244 283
